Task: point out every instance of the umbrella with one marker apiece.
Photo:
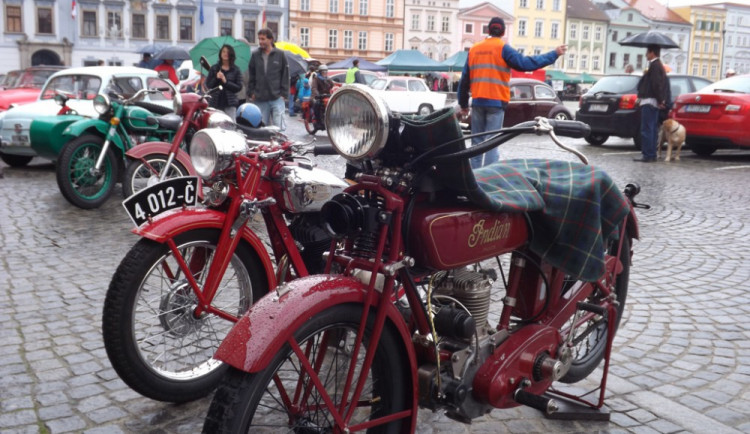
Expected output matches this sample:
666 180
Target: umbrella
210 47
297 65
151 48
174 53
294 48
649 38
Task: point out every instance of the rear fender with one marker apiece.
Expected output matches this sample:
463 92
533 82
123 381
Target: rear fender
174 223
268 325
162 148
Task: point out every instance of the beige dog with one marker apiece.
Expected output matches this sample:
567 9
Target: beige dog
673 133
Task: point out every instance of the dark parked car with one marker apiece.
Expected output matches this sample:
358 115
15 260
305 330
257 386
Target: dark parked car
531 98
610 107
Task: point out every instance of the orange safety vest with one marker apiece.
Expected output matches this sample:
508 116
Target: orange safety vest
490 75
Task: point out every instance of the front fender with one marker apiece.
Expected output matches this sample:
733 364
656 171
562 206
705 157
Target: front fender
172 224
161 148
78 128
271 322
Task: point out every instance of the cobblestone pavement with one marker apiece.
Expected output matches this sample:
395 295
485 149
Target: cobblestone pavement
681 360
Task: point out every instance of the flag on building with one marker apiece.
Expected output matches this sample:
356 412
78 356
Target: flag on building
201 12
73 11
263 18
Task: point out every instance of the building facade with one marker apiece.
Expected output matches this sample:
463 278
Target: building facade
706 53
539 27
430 26
735 34
474 24
332 30
586 35
49 32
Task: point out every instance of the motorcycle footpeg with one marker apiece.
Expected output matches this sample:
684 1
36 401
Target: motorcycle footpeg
547 405
599 310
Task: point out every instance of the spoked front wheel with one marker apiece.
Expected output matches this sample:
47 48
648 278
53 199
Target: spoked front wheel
590 338
154 340
283 398
80 182
145 172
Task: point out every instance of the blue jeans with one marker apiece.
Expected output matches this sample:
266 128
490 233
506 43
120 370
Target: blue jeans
272 111
649 130
485 119
291 106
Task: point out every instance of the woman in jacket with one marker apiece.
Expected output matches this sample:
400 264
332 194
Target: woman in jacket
228 75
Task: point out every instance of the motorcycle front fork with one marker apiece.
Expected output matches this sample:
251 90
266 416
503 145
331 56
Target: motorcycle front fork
97 169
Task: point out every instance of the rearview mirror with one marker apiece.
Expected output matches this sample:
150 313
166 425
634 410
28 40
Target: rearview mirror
204 63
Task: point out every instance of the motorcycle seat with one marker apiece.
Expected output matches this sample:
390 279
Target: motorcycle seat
262 133
167 122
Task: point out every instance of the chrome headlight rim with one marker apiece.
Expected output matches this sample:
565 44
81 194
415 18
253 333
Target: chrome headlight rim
212 150
177 102
219 119
102 104
338 123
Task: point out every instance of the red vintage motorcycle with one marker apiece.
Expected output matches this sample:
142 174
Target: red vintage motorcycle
312 124
196 270
336 353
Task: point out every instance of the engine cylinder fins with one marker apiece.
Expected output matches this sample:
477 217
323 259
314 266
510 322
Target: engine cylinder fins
470 288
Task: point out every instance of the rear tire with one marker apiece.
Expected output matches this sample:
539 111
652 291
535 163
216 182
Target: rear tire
638 142
138 175
329 336
16 160
702 150
73 171
597 139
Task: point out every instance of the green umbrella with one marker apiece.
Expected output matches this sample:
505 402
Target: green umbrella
210 47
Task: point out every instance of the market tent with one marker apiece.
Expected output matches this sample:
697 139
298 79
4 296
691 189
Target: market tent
409 61
363 64
456 62
585 78
553 74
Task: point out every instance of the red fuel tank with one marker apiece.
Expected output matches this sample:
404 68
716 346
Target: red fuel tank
449 237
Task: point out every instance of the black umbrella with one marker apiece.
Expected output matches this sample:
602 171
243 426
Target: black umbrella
174 53
649 38
151 48
297 64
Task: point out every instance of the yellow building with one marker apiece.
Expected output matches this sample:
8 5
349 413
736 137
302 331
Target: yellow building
707 51
332 30
539 26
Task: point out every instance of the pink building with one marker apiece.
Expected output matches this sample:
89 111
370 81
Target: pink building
474 22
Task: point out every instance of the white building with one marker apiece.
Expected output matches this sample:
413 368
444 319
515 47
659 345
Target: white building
430 27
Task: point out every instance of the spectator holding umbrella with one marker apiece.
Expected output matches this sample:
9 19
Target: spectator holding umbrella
167 69
227 75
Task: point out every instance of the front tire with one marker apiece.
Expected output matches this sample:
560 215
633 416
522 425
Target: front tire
702 150
262 402
309 124
154 342
78 183
138 175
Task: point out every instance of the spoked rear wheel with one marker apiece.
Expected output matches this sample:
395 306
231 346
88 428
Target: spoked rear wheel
590 338
281 398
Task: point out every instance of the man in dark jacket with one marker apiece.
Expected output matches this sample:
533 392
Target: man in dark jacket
269 79
652 97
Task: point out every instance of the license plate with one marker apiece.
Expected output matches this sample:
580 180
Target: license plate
160 198
695 108
20 139
598 107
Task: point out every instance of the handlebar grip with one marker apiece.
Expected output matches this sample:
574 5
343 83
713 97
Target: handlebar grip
324 150
575 129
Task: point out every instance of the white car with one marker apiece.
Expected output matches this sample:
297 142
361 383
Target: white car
82 85
408 94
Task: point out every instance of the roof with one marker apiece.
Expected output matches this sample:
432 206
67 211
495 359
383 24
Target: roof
656 11
410 60
586 10
457 61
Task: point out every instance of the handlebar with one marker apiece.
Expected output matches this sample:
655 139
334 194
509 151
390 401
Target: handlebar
324 150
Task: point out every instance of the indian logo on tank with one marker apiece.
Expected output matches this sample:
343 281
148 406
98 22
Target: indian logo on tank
483 235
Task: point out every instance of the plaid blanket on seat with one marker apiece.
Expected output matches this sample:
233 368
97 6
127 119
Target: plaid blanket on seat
573 209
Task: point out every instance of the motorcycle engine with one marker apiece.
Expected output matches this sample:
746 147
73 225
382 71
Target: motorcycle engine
461 308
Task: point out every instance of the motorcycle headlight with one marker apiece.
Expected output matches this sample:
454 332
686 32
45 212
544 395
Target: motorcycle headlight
357 122
211 150
177 103
60 99
219 119
101 104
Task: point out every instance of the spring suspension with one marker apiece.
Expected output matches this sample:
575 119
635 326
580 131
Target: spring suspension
365 245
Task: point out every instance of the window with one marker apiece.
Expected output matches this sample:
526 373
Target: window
162 27
485 29
445 28
523 4
333 38
571 61
521 51
554 30
521 27
639 62
543 92
704 70
348 7
304 36
625 59
695 69
363 7
713 71
186 28
430 23
540 4
614 36
333 6
595 62
13 21
598 33
389 42
716 47
612 60
88 23
697 46
138 26
304 5
585 33
538 29
248 30
273 26
469 28
114 22
573 31
348 39
362 42
415 22
225 27
389 8
555 5
537 51
705 47
44 20
630 18
584 61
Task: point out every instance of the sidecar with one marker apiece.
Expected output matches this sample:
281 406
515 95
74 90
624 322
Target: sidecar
46 134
